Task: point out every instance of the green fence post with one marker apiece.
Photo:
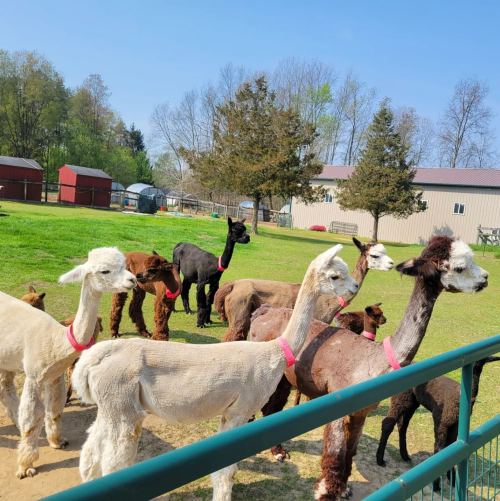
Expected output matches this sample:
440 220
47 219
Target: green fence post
464 429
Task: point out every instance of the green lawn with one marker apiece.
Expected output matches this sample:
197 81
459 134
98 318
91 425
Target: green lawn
39 243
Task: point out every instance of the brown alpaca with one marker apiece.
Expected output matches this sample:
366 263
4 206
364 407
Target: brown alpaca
332 358
236 301
361 322
34 299
158 277
98 329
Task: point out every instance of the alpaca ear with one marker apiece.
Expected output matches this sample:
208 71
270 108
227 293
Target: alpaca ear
42 295
75 275
334 251
155 253
369 311
32 289
229 222
360 245
417 266
243 220
377 304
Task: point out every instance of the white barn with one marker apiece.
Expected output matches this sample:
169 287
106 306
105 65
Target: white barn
458 202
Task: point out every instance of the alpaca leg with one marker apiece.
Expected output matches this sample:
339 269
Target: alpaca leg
30 423
403 424
186 285
120 446
55 398
440 436
223 480
353 428
115 317
201 303
212 289
8 396
69 373
162 311
297 398
91 456
276 403
135 311
388 425
330 484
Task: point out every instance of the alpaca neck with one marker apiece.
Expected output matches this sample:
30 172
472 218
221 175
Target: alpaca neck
369 325
406 340
298 326
86 316
359 274
228 252
476 376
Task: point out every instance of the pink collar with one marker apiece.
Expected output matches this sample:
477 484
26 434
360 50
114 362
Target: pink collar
220 265
369 335
390 354
72 340
342 302
337 315
170 295
290 360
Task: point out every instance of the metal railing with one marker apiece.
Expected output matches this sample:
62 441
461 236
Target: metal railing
164 473
342 228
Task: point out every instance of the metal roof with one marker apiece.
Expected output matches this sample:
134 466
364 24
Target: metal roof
477 178
20 162
87 171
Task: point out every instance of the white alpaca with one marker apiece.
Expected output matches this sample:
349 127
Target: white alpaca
33 342
185 383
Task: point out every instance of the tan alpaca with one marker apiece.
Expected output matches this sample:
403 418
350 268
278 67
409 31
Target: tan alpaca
186 383
33 342
236 301
34 299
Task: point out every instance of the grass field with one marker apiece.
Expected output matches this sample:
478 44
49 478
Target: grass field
39 243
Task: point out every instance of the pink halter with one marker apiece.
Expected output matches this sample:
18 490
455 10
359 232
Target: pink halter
170 295
390 354
72 340
369 335
337 315
220 265
290 359
342 302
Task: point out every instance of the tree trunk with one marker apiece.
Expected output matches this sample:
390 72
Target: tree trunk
255 218
375 228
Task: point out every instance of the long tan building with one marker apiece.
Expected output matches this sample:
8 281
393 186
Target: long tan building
458 202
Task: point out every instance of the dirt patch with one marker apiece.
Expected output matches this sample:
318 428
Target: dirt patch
36 284
204 236
77 260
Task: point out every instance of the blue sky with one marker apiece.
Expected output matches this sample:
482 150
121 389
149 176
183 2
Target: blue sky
153 51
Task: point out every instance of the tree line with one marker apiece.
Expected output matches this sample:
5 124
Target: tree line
42 119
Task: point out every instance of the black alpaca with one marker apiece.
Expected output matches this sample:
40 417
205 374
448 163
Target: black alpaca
201 267
441 396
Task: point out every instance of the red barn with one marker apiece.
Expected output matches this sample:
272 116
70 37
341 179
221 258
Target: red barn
84 177
20 169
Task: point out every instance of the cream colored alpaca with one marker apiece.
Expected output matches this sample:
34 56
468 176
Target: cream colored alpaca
33 342
186 383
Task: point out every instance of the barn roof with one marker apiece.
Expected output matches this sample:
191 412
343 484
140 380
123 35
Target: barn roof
20 162
475 178
87 171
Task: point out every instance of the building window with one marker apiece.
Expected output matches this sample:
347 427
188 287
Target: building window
424 205
328 198
459 208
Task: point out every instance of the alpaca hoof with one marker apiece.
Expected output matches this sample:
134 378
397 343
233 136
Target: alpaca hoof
280 454
25 472
407 460
209 322
348 491
201 326
60 445
382 463
115 336
145 334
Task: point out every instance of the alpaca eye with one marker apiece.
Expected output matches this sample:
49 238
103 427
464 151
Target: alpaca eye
335 278
459 270
374 256
105 272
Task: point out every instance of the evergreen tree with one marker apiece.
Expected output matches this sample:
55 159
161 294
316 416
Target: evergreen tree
136 140
259 149
381 182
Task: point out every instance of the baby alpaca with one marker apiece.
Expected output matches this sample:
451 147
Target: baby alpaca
441 396
34 299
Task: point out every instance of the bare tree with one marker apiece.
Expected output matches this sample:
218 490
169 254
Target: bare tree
464 129
417 133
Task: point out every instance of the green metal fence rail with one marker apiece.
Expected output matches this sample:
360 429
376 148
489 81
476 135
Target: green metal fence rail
169 471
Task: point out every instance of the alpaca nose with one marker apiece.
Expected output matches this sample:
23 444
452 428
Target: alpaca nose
485 274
